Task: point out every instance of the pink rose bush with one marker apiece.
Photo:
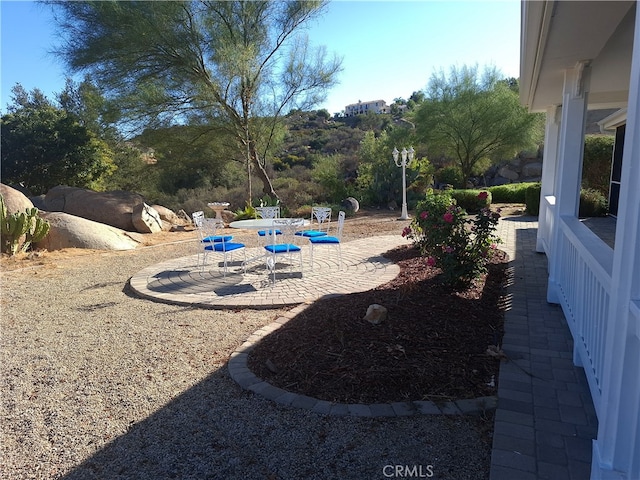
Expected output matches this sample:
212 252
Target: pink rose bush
460 245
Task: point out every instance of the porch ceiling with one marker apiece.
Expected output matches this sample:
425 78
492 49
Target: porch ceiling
558 34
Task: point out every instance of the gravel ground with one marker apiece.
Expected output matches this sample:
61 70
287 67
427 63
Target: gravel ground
98 384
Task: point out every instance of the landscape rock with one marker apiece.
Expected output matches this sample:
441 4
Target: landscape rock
507 173
146 219
495 181
38 202
533 169
351 204
168 215
15 201
228 216
70 231
113 208
376 314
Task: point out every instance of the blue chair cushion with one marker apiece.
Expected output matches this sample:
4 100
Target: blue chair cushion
282 248
224 246
311 233
325 239
262 233
217 238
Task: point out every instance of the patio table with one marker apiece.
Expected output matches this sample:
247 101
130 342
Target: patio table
260 224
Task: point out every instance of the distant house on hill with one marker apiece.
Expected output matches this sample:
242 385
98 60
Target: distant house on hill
362 108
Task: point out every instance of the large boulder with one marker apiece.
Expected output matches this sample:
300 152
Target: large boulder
38 202
146 219
69 231
532 169
15 201
171 221
168 215
113 208
509 174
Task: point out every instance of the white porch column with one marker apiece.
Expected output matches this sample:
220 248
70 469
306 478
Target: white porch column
616 452
549 164
569 167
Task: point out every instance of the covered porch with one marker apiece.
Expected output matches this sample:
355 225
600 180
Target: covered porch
579 56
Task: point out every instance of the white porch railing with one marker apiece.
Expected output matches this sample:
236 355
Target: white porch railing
583 280
546 223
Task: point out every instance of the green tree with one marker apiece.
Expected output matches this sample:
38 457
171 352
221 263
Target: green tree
328 172
188 157
44 146
93 111
243 62
379 178
472 118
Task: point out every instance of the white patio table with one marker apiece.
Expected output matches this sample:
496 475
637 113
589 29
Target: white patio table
260 224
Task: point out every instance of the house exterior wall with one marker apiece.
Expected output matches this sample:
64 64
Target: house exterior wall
362 108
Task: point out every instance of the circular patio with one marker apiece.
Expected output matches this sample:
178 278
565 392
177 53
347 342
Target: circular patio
180 281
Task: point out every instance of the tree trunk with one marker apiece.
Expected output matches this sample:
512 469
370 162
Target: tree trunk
267 186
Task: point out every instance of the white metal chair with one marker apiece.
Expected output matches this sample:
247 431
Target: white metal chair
332 241
286 247
268 213
210 242
198 221
320 220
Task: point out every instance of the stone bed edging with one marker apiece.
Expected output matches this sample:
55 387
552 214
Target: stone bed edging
246 379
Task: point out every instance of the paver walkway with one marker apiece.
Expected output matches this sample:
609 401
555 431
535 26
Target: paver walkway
545 420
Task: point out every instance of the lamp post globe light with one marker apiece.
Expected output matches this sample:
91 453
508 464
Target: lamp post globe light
406 157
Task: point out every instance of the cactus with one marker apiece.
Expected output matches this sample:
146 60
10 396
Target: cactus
18 225
3 217
38 229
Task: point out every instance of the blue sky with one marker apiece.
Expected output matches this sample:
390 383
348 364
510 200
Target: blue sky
390 48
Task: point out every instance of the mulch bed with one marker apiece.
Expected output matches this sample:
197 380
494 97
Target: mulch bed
432 346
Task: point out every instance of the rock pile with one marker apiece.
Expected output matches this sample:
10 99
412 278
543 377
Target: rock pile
526 167
83 218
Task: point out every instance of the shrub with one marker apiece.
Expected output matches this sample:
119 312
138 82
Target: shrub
471 200
247 213
510 193
459 245
532 198
592 203
451 175
596 168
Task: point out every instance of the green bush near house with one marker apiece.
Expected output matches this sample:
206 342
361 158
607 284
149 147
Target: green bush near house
596 168
592 203
470 201
532 198
510 193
